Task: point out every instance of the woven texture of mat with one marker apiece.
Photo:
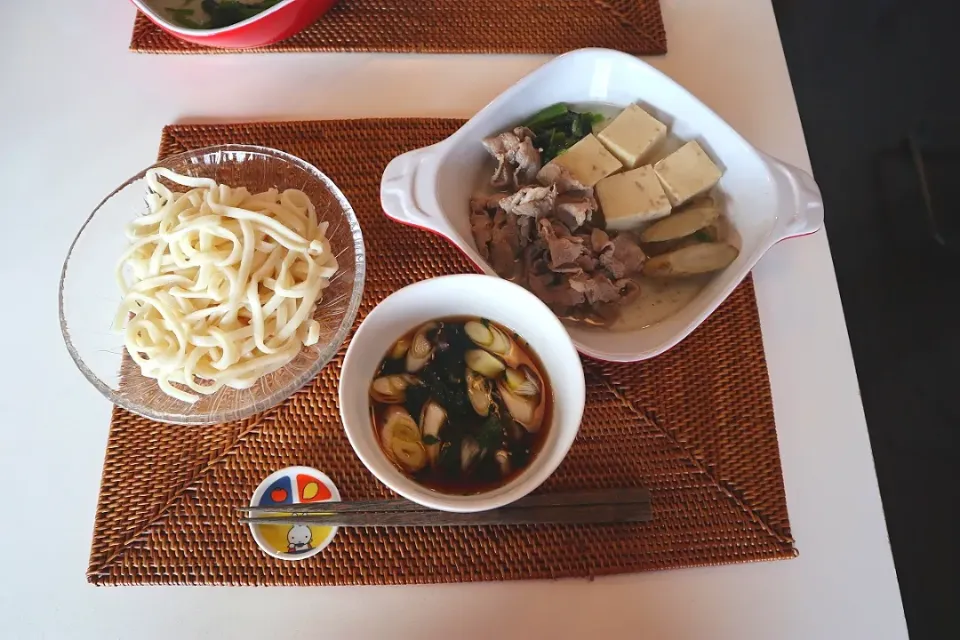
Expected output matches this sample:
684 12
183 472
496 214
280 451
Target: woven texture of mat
694 425
458 26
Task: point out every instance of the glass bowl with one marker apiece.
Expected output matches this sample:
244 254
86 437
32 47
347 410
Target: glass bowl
90 296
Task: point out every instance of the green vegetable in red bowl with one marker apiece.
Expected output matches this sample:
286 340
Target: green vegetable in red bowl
215 14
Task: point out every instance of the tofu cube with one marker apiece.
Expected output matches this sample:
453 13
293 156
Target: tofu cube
686 173
588 161
632 136
632 198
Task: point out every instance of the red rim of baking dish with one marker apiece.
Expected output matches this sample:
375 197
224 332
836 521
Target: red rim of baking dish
154 15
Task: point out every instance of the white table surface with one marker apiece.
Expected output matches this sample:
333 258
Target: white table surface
79 114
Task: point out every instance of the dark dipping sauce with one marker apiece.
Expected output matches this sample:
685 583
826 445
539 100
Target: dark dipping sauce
503 446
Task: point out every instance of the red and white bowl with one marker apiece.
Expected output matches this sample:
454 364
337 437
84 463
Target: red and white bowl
273 25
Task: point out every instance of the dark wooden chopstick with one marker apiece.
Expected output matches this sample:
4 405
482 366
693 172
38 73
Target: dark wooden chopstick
580 514
597 496
581 507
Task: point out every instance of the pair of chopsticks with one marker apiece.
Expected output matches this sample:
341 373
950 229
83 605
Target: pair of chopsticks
577 507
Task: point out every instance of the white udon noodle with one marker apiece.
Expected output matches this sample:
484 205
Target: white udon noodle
220 285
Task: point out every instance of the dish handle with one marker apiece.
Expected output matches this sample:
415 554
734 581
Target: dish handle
399 192
806 211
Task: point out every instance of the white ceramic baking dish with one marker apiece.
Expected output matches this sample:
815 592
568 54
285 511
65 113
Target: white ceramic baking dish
765 199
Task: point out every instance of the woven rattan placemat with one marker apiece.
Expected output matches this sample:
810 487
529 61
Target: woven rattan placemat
459 26
694 425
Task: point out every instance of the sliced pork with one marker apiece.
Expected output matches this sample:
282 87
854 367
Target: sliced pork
530 201
518 160
539 231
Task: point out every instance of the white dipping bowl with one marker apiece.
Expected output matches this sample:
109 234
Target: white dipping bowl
463 295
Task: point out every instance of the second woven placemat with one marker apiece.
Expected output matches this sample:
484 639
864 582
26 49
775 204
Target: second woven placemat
695 426
458 26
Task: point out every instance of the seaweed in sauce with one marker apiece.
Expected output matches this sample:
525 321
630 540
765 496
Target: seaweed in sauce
461 405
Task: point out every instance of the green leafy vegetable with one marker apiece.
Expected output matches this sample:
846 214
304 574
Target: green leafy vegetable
183 18
224 13
577 129
545 116
439 385
557 128
703 236
490 435
429 439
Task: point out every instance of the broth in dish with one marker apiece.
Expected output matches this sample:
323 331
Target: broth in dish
461 405
602 215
